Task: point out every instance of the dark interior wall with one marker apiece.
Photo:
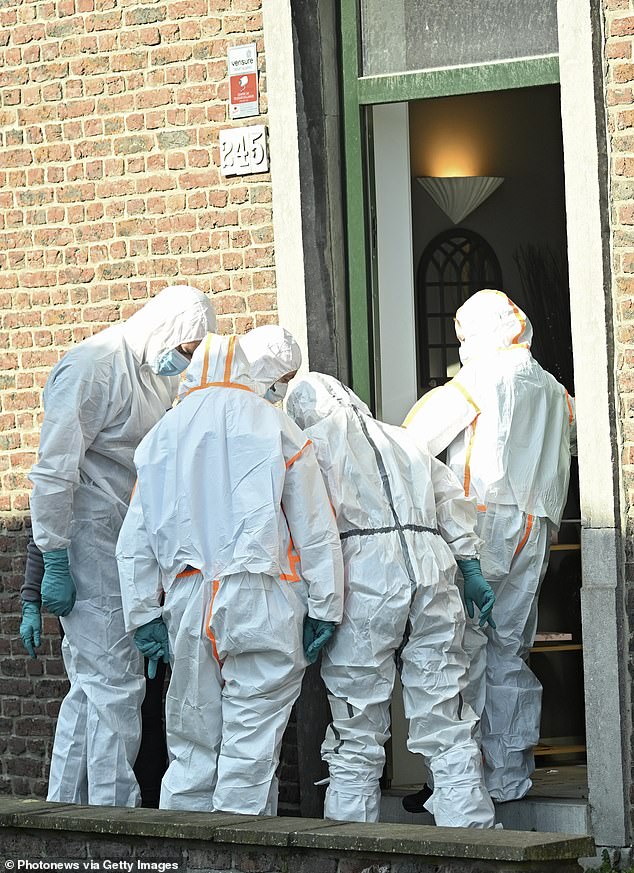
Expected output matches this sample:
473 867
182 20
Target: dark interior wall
514 134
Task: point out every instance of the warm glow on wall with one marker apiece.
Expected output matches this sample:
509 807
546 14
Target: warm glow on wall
461 136
454 160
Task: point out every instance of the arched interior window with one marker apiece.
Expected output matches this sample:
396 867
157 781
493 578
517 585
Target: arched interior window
455 264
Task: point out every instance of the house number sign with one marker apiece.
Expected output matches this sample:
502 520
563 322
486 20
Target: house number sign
243 150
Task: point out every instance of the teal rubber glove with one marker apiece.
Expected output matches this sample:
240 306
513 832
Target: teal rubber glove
477 590
152 640
316 635
31 626
58 588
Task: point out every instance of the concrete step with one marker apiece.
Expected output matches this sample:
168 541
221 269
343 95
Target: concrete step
545 814
558 815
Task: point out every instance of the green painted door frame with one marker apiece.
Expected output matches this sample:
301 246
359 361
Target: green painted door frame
359 94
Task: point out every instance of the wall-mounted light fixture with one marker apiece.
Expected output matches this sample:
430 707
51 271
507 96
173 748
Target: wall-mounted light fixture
457 196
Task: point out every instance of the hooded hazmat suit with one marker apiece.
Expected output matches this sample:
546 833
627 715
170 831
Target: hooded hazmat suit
272 353
231 519
99 401
402 518
508 427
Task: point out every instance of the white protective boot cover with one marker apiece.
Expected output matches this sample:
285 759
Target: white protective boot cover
460 799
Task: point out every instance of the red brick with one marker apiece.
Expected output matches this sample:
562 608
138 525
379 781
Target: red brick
27 33
239 194
626 118
15 157
218 198
220 282
234 24
254 22
241 282
176 161
623 73
619 96
624 167
265 318
262 256
189 30
156 97
626 214
176 224
199 180
197 94
619 49
14 400
622 26
262 302
198 158
101 313
240 238
105 21
228 304
188 9
232 260
156 162
172 54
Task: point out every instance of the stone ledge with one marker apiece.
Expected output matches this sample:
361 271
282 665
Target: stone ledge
422 841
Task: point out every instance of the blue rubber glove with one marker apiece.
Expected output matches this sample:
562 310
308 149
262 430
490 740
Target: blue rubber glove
316 635
31 626
58 588
477 590
152 640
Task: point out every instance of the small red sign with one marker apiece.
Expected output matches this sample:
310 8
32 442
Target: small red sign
243 88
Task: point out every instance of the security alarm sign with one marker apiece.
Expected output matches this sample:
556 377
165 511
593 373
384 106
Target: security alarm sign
242 61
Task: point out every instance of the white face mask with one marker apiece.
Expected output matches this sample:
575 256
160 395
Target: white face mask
170 363
277 392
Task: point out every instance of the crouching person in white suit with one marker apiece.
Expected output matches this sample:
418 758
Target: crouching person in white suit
403 520
231 519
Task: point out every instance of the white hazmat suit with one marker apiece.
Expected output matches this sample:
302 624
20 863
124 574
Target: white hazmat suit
99 401
402 518
231 519
272 353
508 427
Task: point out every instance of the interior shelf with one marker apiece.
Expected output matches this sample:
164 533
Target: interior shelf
557 647
548 749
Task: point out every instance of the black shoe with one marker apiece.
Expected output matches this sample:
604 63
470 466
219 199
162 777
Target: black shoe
416 802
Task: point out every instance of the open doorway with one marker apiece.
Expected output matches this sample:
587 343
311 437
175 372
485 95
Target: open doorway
516 239
429 257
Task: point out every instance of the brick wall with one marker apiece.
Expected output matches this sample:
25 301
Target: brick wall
619 34
109 191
